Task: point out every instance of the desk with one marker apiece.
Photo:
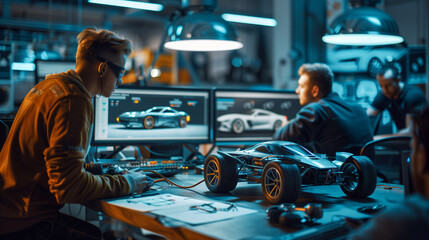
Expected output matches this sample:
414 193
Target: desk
335 203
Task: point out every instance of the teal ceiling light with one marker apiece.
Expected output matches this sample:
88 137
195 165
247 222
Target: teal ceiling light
238 18
130 4
197 28
364 24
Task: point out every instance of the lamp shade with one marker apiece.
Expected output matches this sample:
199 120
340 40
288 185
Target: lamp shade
363 26
202 31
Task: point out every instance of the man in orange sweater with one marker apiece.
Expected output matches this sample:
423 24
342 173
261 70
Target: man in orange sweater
41 163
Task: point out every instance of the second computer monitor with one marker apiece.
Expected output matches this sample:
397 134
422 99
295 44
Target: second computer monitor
247 117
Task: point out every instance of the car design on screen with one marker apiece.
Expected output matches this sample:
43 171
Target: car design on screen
283 168
363 59
255 119
154 117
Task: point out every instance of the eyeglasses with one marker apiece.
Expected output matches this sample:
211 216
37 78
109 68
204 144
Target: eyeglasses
119 71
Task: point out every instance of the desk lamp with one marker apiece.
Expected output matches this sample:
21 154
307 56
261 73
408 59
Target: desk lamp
364 24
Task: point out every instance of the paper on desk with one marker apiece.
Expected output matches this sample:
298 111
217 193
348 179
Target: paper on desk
185 214
156 202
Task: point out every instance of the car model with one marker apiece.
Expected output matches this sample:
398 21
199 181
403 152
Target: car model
363 59
159 116
255 119
283 168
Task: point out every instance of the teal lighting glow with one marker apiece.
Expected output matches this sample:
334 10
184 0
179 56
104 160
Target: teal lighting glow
20 66
362 39
270 22
130 4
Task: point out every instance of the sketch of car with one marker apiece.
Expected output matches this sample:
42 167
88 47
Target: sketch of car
154 117
283 168
255 119
363 59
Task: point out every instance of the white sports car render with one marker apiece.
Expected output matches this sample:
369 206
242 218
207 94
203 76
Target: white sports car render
363 59
255 119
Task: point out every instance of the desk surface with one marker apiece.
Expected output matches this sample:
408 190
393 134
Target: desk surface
335 204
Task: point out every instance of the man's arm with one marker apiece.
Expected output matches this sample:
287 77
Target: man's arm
371 111
300 129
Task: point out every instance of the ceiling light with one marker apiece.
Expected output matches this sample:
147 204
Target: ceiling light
270 22
130 4
363 25
199 29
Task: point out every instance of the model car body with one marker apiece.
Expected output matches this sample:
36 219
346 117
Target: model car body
363 59
154 117
255 119
284 167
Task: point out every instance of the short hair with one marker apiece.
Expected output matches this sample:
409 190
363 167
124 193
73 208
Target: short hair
320 74
389 71
91 42
421 127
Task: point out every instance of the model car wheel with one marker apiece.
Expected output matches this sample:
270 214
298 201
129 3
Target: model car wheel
183 122
360 177
148 122
238 126
277 125
373 66
281 182
220 174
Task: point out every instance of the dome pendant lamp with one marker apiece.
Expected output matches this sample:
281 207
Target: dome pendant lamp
199 29
364 24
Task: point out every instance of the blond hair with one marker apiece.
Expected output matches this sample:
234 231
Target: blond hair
91 42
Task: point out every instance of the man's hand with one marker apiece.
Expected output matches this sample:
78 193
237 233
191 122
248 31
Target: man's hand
143 182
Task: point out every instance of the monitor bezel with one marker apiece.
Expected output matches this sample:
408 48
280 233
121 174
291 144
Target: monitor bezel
38 78
239 142
178 141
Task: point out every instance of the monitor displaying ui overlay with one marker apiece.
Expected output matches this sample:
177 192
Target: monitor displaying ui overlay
246 117
140 116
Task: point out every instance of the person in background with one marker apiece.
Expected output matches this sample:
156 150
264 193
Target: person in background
41 163
399 98
326 123
409 220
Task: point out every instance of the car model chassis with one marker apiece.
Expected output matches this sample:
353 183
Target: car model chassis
283 177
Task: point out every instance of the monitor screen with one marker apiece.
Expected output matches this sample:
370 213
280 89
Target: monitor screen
247 117
46 67
140 116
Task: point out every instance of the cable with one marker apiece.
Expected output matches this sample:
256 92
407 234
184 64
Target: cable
171 182
155 153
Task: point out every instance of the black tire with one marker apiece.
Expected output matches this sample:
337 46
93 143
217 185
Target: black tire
360 176
277 125
237 126
182 122
220 174
374 66
148 122
281 182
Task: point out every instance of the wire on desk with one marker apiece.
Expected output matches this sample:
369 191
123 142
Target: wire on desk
388 187
171 182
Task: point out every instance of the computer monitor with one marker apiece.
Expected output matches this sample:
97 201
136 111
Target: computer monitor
46 67
151 116
244 117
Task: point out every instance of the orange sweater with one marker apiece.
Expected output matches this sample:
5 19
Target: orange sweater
41 163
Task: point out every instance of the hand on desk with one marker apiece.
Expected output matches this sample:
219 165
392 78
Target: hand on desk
143 182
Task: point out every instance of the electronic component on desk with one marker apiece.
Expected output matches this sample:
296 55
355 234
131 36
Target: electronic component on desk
166 167
332 230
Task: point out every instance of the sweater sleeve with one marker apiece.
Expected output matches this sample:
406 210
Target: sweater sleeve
68 126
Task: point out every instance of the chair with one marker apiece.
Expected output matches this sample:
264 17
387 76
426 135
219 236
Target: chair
388 155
